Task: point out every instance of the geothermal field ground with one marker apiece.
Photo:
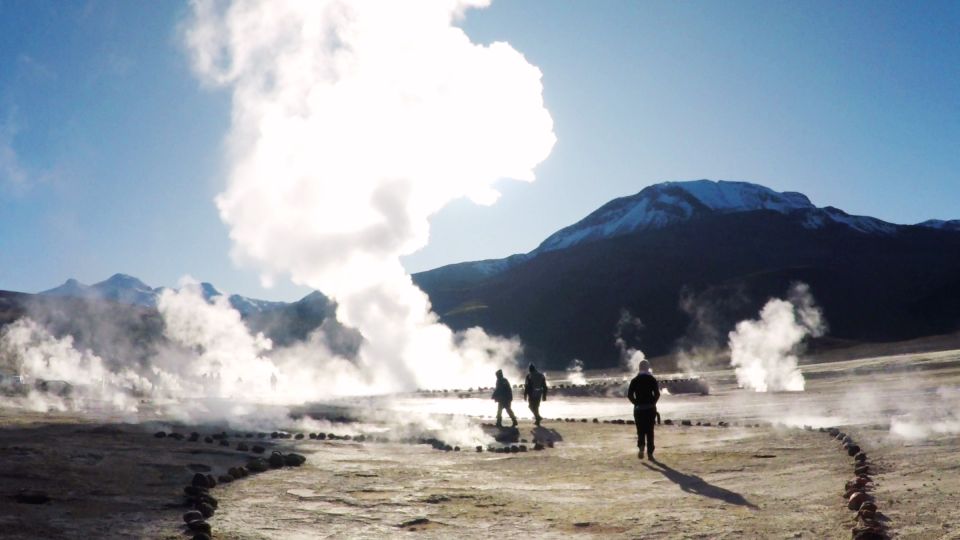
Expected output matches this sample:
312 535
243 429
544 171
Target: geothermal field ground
768 471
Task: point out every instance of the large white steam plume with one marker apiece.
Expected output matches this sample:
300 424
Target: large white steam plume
353 123
764 351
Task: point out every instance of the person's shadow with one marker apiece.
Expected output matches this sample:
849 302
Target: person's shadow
690 483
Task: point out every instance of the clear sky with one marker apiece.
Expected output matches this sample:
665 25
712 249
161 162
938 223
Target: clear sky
110 151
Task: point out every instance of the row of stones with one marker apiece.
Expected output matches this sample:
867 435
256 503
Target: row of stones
668 422
857 491
202 506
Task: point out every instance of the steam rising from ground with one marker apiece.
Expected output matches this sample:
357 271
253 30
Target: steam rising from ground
353 123
764 351
575 372
629 357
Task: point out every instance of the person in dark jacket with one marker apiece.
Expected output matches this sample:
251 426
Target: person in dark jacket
535 391
644 393
503 395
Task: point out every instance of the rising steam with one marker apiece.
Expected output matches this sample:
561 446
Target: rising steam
575 373
353 123
764 351
628 325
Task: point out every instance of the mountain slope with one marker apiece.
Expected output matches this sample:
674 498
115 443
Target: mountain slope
676 250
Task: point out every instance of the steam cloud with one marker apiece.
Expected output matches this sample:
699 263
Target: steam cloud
575 372
629 357
353 123
764 351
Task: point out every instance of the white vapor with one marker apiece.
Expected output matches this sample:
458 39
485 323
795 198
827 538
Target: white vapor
353 123
764 351
575 373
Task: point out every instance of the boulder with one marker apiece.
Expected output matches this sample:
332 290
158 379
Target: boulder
199 525
853 450
313 435
860 457
194 437
857 499
160 434
206 509
275 460
257 465
211 481
225 478
479 448
668 422
200 480
192 515
321 436
686 423
298 436
294 460
257 449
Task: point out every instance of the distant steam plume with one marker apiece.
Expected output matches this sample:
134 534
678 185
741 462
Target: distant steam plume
764 351
628 326
575 372
353 123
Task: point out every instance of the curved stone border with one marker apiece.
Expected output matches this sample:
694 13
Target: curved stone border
858 492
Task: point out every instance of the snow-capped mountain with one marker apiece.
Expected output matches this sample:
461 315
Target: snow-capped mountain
665 204
126 289
943 225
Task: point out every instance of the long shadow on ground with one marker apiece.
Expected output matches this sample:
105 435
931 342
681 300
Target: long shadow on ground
691 483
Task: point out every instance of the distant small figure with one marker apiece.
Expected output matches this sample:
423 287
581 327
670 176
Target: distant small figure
644 393
535 391
273 382
503 395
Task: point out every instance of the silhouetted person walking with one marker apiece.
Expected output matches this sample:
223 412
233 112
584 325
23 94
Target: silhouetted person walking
644 393
503 395
535 391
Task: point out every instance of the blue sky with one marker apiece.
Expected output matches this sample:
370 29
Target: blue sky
110 152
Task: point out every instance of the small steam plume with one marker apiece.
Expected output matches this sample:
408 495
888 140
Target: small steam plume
627 326
764 351
575 373
353 123
28 350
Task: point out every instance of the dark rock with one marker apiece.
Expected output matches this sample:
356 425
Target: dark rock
243 447
257 465
199 525
456 448
200 480
514 449
208 440
523 448
194 491
192 515
224 442
686 423
275 435
479 448
321 436
194 437
225 478
31 496
538 447
206 509
261 435
313 435
861 470
860 457
857 499
275 460
294 460
298 436
236 472
853 450
201 536
257 449
211 481
176 436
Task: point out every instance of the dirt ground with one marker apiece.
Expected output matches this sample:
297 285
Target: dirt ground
112 480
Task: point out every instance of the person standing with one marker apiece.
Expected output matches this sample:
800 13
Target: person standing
503 395
535 391
644 392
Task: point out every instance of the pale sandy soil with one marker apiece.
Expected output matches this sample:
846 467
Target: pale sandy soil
773 481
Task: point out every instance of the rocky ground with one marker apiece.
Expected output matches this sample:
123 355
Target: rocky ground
107 479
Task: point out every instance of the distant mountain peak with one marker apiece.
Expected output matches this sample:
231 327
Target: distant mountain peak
669 203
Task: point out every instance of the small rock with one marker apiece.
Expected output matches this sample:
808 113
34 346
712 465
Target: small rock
160 434
194 491
194 437
192 515
857 499
257 465
257 449
479 448
201 536
313 435
275 460
206 509
200 480
294 460
208 440
199 525
224 442
225 478
686 423
211 481
243 447
298 436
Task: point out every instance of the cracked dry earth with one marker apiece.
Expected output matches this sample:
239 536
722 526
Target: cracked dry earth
117 481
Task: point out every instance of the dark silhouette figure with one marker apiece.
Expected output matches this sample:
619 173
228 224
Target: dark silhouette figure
644 393
535 391
691 483
503 395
